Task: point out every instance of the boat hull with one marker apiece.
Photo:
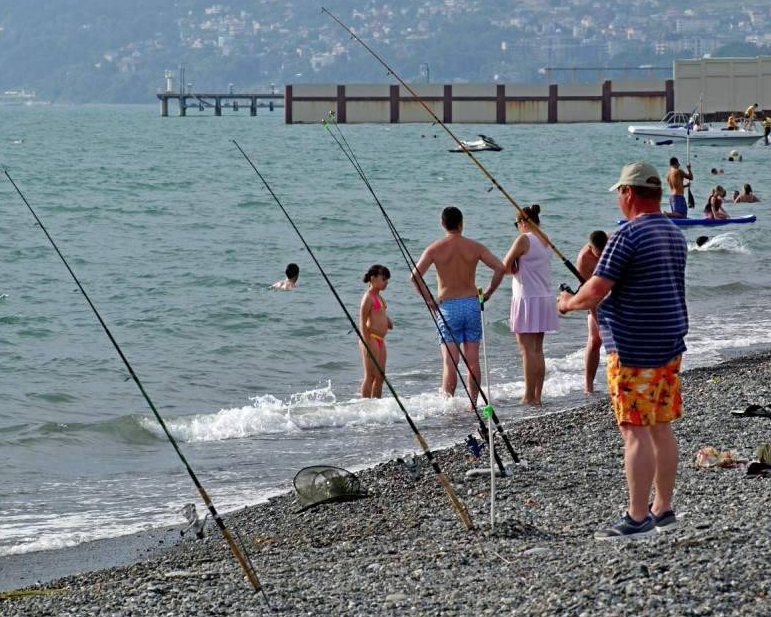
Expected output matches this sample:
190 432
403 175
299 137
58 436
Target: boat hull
711 137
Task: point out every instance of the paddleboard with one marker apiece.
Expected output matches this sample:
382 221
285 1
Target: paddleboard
687 222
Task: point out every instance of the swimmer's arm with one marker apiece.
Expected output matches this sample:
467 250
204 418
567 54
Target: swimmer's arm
588 297
424 263
492 262
519 248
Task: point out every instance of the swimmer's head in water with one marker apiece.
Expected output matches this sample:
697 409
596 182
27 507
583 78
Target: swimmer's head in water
377 270
701 240
747 189
292 271
452 218
598 239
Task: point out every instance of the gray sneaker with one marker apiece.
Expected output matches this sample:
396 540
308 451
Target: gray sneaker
627 529
666 521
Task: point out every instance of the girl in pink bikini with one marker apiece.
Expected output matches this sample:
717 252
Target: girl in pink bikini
374 325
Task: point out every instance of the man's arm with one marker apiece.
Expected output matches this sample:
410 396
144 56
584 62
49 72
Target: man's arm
588 297
424 263
492 262
688 175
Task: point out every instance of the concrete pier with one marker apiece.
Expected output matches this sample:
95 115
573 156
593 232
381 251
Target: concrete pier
492 103
218 100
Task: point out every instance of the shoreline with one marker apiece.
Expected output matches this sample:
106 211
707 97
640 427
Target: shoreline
403 549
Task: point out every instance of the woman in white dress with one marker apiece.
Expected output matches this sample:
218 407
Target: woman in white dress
533 306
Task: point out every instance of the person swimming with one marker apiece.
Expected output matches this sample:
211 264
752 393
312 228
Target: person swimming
374 324
290 282
702 240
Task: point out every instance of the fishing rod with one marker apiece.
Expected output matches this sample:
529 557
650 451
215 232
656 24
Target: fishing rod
441 476
412 265
489 176
243 557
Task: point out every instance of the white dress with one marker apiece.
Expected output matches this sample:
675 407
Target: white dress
533 303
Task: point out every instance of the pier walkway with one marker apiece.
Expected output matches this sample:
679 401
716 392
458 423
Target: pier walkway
216 101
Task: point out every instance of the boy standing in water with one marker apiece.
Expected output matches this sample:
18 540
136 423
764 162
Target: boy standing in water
374 324
586 263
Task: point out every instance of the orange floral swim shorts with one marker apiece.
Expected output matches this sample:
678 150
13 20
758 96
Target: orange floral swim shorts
643 396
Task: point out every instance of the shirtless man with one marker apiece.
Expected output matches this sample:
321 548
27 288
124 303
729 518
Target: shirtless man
290 282
456 258
749 116
586 262
675 179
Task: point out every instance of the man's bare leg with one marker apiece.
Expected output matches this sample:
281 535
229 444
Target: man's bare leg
665 446
639 466
592 352
474 376
449 374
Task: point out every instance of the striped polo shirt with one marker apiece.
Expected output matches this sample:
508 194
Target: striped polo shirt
644 318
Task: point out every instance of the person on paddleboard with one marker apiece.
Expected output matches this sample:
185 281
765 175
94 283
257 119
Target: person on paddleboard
456 258
675 178
374 324
638 288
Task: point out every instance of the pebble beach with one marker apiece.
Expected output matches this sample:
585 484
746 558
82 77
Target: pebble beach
402 550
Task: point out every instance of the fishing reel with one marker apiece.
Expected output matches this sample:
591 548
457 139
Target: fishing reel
474 446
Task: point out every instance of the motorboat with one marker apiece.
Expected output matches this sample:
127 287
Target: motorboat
679 127
479 145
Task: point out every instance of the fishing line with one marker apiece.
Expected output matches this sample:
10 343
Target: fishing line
441 476
489 176
243 558
411 264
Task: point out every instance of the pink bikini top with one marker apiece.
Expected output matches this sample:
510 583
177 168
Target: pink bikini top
377 302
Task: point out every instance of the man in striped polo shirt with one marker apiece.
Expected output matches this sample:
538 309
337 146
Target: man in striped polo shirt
638 288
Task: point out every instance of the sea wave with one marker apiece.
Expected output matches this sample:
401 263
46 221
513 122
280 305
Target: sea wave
304 411
729 242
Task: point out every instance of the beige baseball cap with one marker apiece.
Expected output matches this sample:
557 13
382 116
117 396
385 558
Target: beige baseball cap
639 173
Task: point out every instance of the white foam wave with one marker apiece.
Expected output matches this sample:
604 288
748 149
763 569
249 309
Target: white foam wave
729 242
714 334
47 532
314 409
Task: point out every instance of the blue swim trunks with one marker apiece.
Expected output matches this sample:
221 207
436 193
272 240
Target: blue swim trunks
464 317
678 205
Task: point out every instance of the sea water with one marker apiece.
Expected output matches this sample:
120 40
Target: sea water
178 243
